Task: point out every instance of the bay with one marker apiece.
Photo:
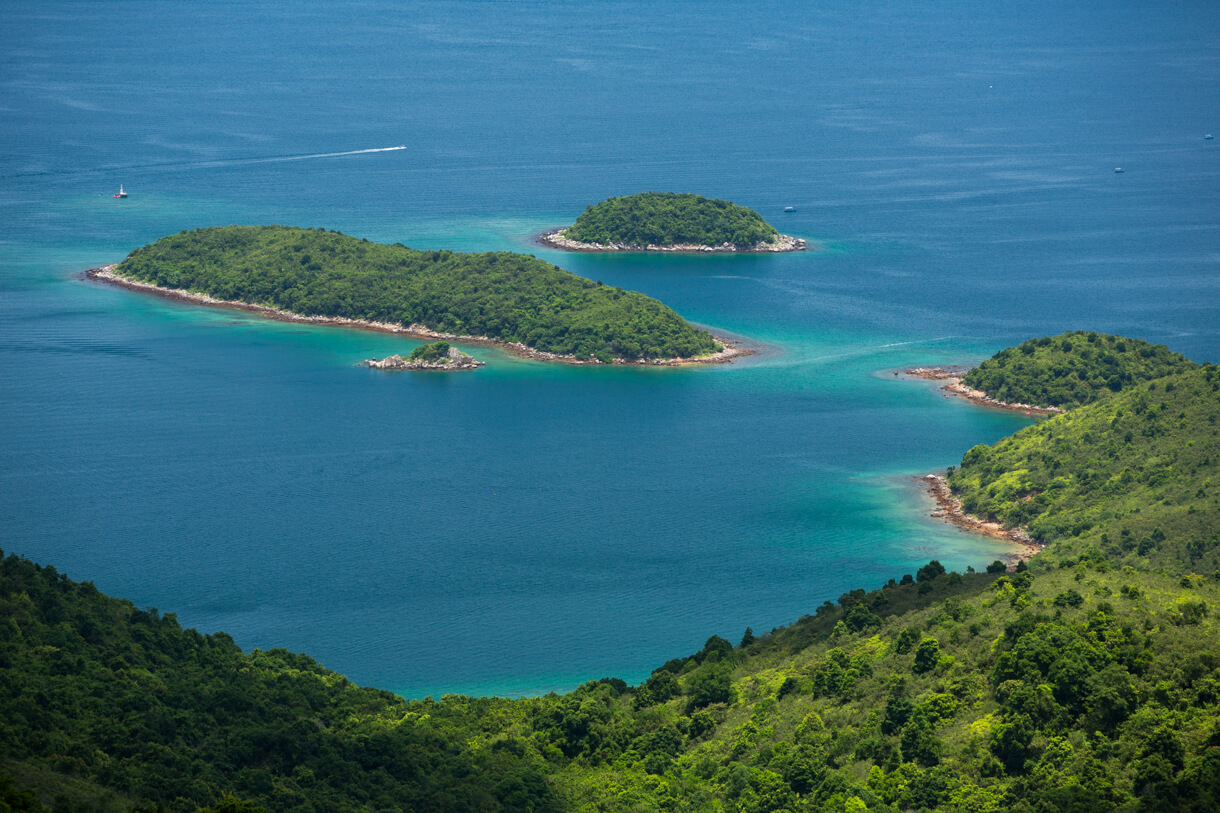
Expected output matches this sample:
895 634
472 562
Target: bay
529 526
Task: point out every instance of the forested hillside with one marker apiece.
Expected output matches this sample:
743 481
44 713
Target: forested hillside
500 295
111 696
1133 473
1088 680
1072 369
666 219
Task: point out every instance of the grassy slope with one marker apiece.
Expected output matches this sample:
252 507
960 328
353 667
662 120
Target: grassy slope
666 218
1072 369
510 297
1132 474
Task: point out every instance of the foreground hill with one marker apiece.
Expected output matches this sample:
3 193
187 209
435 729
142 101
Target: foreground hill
108 706
668 219
511 298
1088 680
1072 369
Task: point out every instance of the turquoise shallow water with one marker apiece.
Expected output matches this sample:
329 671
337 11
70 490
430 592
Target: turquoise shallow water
528 526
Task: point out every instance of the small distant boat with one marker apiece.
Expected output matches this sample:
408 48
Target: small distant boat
120 193
1118 169
1208 137
789 208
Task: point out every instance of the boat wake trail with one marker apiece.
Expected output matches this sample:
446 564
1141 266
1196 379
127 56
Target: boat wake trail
304 157
917 341
207 164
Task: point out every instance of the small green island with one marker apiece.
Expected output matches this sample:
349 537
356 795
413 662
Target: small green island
527 305
668 221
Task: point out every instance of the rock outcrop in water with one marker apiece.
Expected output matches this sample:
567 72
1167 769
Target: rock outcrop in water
452 359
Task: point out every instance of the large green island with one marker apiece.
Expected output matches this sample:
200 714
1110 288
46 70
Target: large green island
1086 680
518 301
667 221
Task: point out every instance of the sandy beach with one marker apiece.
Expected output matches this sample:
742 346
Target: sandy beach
730 349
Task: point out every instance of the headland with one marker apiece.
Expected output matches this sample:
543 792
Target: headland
952 378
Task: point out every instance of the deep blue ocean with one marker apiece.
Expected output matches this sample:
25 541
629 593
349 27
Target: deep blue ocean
529 526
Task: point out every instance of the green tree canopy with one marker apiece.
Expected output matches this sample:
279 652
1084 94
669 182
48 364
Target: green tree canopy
1072 369
1088 680
430 352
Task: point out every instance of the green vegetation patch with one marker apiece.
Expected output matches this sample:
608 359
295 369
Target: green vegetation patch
431 352
1072 369
500 295
1136 474
667 218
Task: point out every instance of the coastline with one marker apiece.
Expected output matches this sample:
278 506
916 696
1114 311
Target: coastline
106 274
784 243
952 376
949 508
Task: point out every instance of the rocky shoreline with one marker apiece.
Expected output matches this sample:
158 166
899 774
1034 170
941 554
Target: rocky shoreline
106 273
949 508
952 376
783 243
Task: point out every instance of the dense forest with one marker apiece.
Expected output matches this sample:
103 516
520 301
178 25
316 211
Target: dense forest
500 295
666 219
1072 369
1087 680
112 707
